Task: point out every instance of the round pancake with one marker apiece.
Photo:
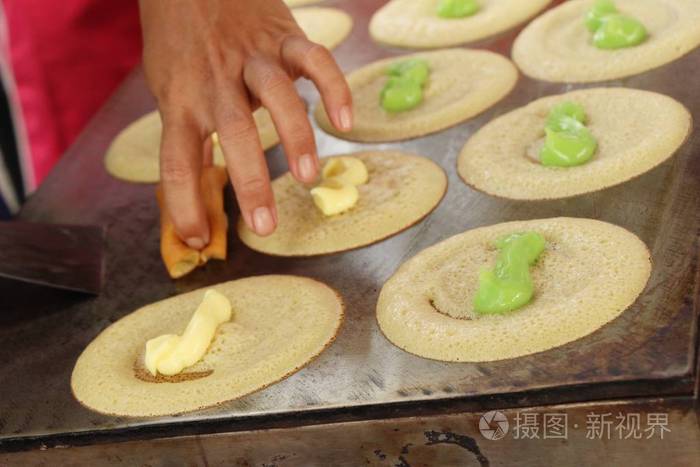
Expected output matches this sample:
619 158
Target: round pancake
558 47
636 131
133 156
278 325
402 189
325 26
462 84
293 3
415 23
589 273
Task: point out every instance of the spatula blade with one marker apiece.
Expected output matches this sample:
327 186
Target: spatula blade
60 256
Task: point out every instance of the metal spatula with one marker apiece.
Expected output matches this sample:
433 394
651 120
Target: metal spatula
61 256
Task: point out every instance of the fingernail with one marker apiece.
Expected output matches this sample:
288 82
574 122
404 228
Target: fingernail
263 222
307 168
195 243
345 118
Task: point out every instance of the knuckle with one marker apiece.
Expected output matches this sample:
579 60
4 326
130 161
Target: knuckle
173 171
317 55
173 96
252 187
177 116
299 132
236 123
273 80
240 128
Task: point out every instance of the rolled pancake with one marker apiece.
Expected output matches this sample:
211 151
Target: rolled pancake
325 26
462 84
558 47
636 131
134 154
402 189
415 23
589 273
278 325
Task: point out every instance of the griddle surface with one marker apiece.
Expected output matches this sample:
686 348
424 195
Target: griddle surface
43 331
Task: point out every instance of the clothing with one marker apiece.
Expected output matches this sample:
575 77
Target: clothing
66 58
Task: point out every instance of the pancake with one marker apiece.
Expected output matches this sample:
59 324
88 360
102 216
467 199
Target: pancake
558 47
133 156
293 3
402 189
325 26
636 131
462 84
279 324
415 23
589 273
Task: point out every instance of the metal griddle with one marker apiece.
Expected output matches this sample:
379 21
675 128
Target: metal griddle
650 349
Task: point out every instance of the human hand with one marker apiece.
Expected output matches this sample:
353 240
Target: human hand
209 64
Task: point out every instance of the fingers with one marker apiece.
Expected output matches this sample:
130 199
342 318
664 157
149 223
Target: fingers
245 163
180 168
316 63
277 93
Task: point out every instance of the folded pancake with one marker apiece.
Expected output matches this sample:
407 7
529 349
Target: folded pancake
401 190
462 84
325 26
134 154
558 47
278 325
415 23
589 273
636 131
180 259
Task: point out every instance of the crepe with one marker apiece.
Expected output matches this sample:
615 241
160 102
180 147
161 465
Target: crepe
558 47
179 259
462 84
589 273
636 131
134 154
293 3
279 324
402 189
415 23
325 26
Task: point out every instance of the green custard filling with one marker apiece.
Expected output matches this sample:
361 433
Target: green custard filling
611 29
457 8
568 142
404 88
508 286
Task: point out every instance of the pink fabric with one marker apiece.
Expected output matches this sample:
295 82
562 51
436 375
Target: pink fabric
67 57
